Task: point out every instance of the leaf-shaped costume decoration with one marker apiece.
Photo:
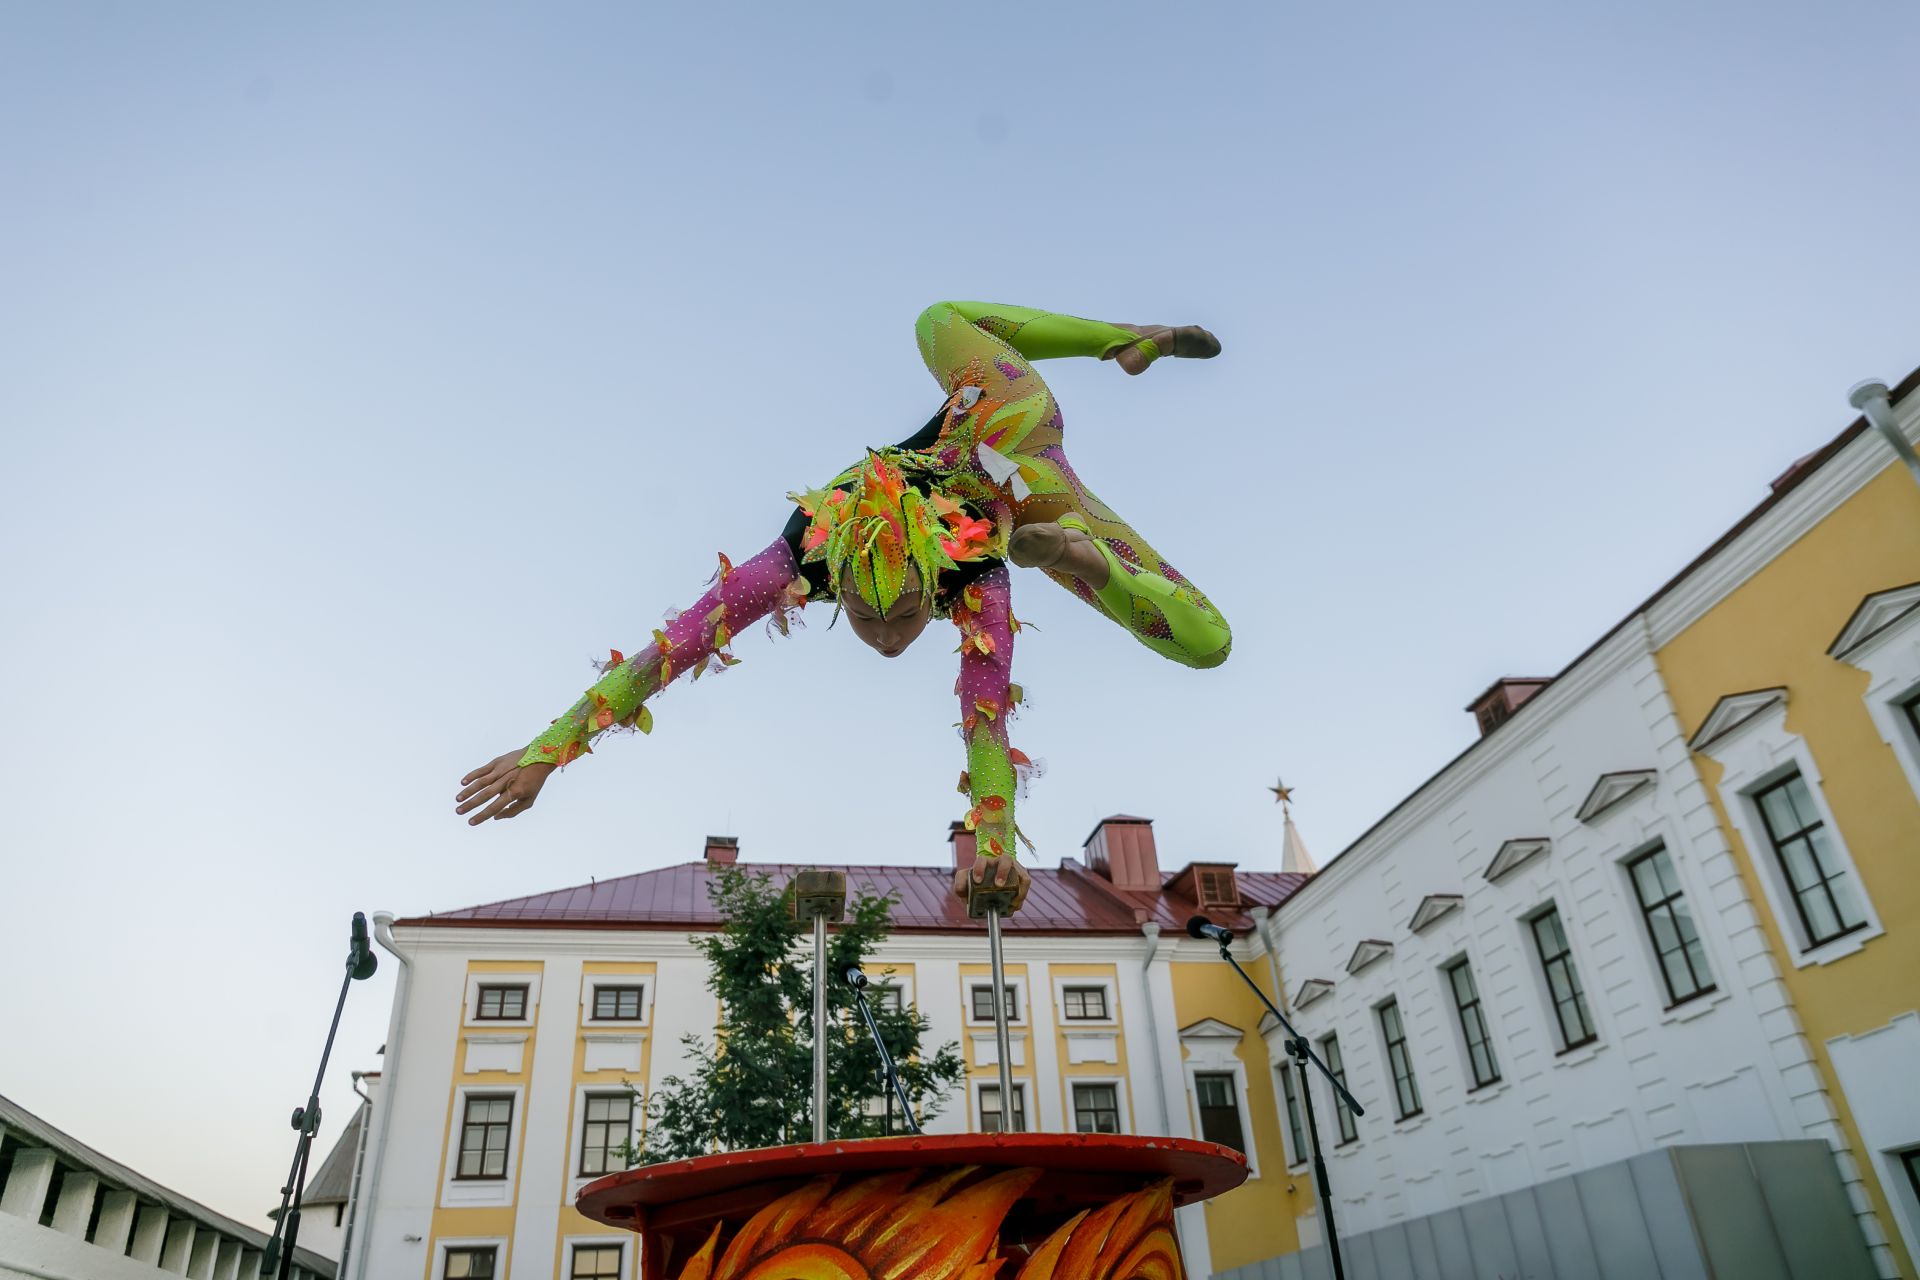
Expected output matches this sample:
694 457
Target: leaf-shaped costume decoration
885 524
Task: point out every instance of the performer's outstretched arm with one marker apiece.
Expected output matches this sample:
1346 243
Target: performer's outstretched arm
740 596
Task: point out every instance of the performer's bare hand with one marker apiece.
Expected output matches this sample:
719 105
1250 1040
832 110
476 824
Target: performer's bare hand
996 873
505 786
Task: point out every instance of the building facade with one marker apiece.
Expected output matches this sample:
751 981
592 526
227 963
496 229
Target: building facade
518 1027
1667 901
67 1212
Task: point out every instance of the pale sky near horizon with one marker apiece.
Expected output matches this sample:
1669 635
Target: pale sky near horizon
366 371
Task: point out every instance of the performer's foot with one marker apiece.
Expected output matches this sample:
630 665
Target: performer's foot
1061 549
1185 342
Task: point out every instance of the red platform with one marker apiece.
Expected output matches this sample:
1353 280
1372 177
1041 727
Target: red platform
678 1205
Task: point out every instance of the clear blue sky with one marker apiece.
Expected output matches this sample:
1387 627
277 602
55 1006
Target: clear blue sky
364 373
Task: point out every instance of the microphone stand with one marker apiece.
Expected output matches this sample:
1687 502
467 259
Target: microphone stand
1302 1053
858 981
277 1258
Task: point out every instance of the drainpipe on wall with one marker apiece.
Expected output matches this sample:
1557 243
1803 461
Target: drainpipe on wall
1871 399
353 1187
389 1078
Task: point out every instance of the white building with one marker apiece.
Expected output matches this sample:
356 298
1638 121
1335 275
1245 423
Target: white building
69 1213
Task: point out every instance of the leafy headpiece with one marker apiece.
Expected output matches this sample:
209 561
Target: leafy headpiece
880 524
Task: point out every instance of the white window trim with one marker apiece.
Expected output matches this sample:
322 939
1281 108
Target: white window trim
1214 1055
628 1254
1753 757
1119 1084
1020 1001
530 979
1419 1117
1026 1104
1892 663
1543 990
1657 836
575 1179
592 982
1109 1023
442 1245
457 1193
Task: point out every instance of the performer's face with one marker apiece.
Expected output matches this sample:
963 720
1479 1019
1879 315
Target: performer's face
891 632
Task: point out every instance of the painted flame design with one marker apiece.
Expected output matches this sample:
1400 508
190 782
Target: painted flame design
887 1228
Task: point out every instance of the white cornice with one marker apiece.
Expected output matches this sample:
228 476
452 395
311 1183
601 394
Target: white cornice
671 944
1733 711
1877 616
1810 502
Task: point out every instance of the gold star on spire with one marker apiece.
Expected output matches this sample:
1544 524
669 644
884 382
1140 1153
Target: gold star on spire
1282 793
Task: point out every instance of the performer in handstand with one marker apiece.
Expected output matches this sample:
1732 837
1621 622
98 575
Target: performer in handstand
922 530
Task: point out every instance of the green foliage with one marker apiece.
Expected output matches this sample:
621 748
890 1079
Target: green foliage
752 1085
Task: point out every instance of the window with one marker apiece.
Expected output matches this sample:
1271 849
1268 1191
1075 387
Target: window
608 1127
502 1004
1296 1132
1219 1105
1563 981
1473 1025
1676 943
616 1004
1912 707
983 1003
888 999
1823 892
1406 1094
1330 1051
470 1264
483 1139
990 1108
1096 1108
595 1262
1087 1003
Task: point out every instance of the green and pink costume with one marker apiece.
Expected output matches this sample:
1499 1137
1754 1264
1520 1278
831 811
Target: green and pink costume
993 457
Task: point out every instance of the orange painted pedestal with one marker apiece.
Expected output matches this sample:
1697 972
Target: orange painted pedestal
1018 1206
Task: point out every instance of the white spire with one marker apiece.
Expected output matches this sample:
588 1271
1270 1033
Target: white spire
1293 850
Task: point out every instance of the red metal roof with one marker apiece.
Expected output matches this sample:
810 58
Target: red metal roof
1070 899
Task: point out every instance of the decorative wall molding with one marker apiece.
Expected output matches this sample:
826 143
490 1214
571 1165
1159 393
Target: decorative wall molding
1514 852
1875 615
1370 951
1432 907
1732 711
1311 990
1614 788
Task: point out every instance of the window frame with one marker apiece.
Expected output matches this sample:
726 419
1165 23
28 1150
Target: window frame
1020 1112
1229 1081
1015 997
485 989
1399 1064
506 1136
1544 967
1295 1117
1083 990
1776 842
1479 1007
574 1245
445 1249
617 989
587 1099
456 1192
1076 1083
1329 1046
1698 942
478 978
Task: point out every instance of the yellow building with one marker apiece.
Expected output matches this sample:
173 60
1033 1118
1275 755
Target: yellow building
1792 656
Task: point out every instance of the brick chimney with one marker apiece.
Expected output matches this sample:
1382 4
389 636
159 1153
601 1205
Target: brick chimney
1502 698
1121 849
723 849
964 845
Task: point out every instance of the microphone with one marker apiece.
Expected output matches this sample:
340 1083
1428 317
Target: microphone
853 977
1201 927
361 962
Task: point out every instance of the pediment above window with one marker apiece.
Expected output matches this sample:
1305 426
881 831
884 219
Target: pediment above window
1515 852
1876 615
1369 950
1311 990
1612 789
1211 1029
1733 711
1432 907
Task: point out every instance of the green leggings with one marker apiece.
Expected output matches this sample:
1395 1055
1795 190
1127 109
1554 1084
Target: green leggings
991 346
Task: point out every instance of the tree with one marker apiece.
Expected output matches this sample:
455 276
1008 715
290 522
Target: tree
752 1085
